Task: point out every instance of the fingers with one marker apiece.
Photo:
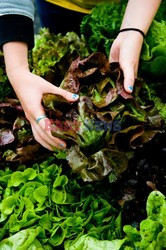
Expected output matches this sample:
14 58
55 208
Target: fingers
126 51
71 97
39 140
42 130
129 70
130 74
129 77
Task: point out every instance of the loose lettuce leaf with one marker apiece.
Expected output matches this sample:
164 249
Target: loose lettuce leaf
86 242
25 239
98 165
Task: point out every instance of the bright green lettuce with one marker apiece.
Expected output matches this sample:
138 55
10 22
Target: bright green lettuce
45 205
152 231
151 235
23 240
153 54
86 242
101 26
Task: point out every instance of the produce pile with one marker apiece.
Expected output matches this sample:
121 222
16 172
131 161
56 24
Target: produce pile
107 189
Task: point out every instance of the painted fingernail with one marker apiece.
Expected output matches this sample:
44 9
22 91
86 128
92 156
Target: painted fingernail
74 96
61 145
130 88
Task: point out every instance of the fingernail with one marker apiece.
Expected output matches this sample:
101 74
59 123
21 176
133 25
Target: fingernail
130 88
75 96
61 145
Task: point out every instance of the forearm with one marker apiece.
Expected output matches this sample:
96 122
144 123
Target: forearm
16 60
16 55
140 13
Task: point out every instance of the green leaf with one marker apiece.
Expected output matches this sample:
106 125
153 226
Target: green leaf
45 222
88 243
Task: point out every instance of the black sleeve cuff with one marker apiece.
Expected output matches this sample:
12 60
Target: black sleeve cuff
16 28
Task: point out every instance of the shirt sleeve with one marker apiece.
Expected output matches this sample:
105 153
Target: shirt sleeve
16 21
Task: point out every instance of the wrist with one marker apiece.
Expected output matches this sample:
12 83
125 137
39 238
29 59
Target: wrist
131 34
133 29
16 58
17 74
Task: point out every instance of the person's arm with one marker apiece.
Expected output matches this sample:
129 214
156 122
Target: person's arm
127 46
16 29
29 89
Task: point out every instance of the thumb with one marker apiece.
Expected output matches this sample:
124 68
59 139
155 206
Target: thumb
71 97
129 78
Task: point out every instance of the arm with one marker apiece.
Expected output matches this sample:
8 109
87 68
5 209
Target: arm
140 13
127 46
28 87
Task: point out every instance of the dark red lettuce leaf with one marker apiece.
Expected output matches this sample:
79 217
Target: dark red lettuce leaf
98 165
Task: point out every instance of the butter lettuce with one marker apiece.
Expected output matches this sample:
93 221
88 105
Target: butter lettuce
86 242
153 54
43 205
153 229
151 234
25 239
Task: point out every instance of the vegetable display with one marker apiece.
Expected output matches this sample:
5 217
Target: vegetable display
107 189
152 233
47 205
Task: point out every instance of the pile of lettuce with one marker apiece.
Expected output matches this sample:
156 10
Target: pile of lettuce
50 59
117 141
101 27
106 125
43 205
53 54
103 129
151 235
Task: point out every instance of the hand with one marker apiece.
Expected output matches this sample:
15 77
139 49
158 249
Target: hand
29 89
126 50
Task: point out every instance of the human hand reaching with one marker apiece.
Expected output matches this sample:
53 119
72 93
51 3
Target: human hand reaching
126 50
127 46
30 89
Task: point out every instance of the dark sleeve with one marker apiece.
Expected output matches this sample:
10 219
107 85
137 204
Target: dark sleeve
15 27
